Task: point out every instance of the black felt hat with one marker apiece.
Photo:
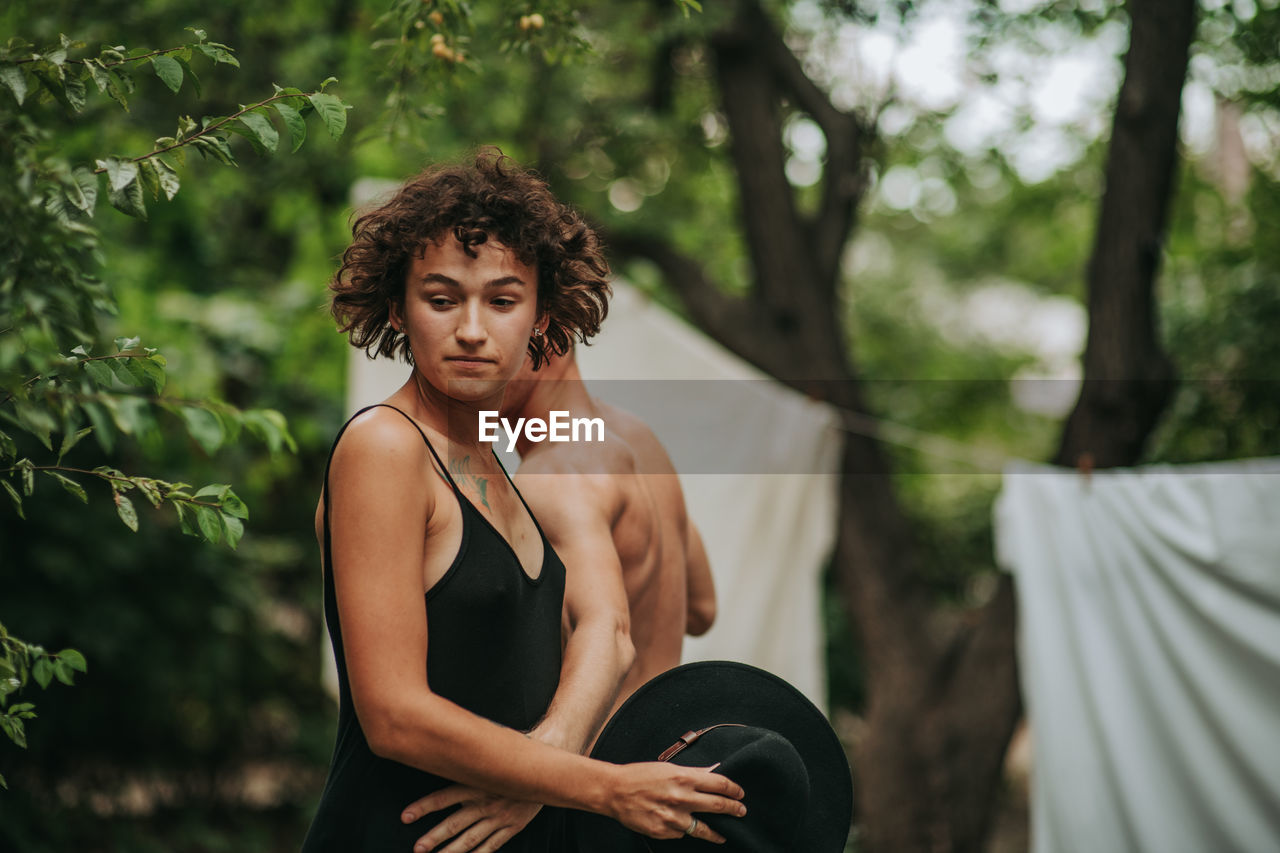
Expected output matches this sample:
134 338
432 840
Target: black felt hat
764 734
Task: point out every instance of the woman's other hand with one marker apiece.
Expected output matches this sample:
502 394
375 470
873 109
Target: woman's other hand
660 800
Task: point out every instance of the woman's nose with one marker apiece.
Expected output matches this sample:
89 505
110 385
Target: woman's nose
470 326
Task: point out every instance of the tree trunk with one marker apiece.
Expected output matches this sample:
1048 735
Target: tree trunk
1128 379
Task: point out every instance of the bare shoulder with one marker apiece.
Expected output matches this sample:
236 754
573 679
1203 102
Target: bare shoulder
650 457
384 446
377 433
575 481
558 483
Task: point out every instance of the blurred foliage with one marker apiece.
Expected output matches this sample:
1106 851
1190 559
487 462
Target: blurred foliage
52 298
57 313
201 723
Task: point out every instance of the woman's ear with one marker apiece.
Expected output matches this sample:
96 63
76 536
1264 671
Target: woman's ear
394 318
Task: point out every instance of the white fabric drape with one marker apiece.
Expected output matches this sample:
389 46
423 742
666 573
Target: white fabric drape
758 479
1149 646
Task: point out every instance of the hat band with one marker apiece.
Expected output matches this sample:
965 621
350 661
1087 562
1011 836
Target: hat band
689 738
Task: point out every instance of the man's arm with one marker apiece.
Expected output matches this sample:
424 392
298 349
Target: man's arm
576 512
701 586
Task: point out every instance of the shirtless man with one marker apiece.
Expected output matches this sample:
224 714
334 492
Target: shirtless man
637 580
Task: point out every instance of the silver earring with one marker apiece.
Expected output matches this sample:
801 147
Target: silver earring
537 333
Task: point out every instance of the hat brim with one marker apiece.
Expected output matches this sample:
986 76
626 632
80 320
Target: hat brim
704 693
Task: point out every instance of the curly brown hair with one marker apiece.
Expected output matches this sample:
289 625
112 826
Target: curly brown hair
492 198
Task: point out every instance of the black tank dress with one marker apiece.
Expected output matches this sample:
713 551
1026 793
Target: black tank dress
493 638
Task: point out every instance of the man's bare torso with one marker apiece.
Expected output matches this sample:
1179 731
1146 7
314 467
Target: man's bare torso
633 476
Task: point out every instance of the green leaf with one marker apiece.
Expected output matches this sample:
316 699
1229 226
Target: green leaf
11 77
120 173
8 449
262 129
210 521
74 92
70 485
13 728
3 783
118 86
42 672
129 199
169 71
149 488
98 372
168 178
218 53
214 490
74 659
331 111
124 508
234 529
216 147
28 474
128 373
204 426
150 177
187 518
191 75
271 427
70 440
294 122
99 74
15 497
124 344
82 189
63 673
232 505
153 369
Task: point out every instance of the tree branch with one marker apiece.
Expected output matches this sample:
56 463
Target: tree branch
211 128
728 319
844 177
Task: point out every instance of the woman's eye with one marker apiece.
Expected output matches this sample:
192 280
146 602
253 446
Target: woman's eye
440 302
504 302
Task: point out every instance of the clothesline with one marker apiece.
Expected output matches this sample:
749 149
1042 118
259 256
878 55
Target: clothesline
890 432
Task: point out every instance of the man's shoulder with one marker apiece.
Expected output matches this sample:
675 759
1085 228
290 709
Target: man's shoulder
648 455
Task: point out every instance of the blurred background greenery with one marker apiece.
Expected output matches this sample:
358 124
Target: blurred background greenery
201 724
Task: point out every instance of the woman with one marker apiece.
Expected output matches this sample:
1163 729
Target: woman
442 596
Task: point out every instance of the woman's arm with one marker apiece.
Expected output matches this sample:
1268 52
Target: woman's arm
383 494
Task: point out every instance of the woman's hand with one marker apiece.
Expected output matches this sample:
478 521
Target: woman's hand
659 800
483 822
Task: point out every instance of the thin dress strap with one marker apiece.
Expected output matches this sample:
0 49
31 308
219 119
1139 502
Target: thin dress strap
523 502
444 469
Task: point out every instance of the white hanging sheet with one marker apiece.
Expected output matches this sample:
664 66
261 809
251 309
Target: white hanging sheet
757 462
1149 653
